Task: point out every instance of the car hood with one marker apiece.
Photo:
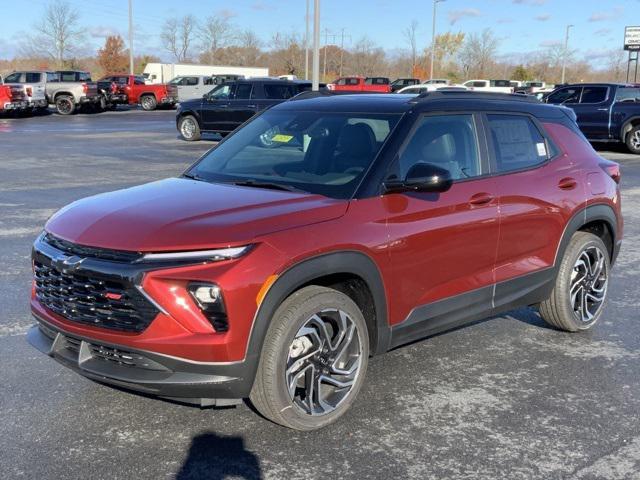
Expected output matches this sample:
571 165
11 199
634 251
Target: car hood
182 214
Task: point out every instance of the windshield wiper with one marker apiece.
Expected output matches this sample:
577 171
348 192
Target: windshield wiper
273 186
193 176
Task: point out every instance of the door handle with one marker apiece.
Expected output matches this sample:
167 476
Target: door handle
252 106
480 199
567 183
603 109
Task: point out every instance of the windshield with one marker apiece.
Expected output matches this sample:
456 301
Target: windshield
316 152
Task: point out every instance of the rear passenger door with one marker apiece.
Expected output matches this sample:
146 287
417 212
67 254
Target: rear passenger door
538 190
241 106
593 112
442 246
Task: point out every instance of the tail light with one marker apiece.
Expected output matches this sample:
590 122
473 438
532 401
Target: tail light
612 169
85 88
114 87
29 91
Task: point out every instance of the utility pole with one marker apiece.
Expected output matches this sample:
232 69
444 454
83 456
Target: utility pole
316 46
433 38
324 63
306 43
342 37
131 37
566 52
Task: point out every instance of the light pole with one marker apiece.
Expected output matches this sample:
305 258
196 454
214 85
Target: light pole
433 38
315 85
131 37
306 44
565 53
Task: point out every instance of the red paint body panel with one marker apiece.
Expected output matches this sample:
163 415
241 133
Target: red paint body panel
427 247
360 86
134 92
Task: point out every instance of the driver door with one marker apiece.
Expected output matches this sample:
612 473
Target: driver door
215 108
442 246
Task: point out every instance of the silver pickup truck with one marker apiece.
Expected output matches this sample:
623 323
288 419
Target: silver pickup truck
33 92
67 90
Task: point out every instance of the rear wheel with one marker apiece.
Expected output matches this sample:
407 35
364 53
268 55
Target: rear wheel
313 361
189 128
65 105
633 140
578 297
148 102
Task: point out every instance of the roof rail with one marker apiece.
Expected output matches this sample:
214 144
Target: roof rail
448 94
323 92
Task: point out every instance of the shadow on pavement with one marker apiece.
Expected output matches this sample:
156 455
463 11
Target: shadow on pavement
216 457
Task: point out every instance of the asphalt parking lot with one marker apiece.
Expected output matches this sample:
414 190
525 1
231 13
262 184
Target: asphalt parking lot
507 397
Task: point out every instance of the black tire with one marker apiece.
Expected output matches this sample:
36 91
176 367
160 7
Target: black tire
65 105
270 394
189 128
559 309
633 140
148 102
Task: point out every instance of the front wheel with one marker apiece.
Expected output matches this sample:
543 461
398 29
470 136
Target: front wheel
313 361
189 128
578 297
148 102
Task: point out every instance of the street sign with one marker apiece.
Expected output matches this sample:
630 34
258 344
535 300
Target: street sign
632 38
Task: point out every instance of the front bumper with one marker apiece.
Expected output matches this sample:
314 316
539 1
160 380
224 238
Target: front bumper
201 383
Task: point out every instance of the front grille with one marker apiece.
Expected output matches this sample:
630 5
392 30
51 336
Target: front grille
122 357
101 302
93 252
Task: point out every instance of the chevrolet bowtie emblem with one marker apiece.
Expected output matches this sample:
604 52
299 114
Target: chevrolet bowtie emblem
68 264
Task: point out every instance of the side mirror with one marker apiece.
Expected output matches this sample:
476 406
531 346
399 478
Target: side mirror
422 177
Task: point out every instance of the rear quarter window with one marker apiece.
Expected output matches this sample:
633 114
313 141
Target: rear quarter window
517 142
594 94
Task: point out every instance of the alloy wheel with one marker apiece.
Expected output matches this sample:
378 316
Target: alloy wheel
188 128
323 362
635 140
588 286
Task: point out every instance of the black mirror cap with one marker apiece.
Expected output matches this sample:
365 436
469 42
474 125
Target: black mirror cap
422 177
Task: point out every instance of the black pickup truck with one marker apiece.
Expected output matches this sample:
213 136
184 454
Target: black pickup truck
606 112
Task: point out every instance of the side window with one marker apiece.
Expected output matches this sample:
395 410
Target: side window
628 94
13 78
208 81
594 94
52 77
341 81
565 95
517 142
221 92
276 91
191 81
447 141
243 91
84 77
352 81
138 81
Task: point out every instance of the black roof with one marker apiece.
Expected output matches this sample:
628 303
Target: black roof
596 84
431 101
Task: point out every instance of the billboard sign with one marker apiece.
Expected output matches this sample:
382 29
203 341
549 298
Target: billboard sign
632 38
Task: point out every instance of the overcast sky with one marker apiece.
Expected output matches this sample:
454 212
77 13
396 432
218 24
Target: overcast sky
521 25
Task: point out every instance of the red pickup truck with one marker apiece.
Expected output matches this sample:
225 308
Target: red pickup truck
361 84
12 98
132 90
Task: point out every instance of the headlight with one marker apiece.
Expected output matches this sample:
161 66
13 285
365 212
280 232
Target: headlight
215 255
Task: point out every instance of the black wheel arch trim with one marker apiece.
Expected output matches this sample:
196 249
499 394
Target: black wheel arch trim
350 262
627 123
596 212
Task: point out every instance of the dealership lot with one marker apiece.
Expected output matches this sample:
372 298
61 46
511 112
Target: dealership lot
503 398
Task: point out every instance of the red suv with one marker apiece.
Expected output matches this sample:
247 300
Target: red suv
326 230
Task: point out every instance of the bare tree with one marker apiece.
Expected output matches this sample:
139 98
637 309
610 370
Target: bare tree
410 34
57 35
365 58
287 54
177 36
215 33
479 52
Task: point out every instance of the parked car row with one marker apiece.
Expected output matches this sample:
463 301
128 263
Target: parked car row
70 90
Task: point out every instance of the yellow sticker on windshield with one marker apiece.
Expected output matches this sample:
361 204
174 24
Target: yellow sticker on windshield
282 138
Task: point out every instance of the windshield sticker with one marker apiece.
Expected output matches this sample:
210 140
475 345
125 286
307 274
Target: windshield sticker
282 138
542 149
